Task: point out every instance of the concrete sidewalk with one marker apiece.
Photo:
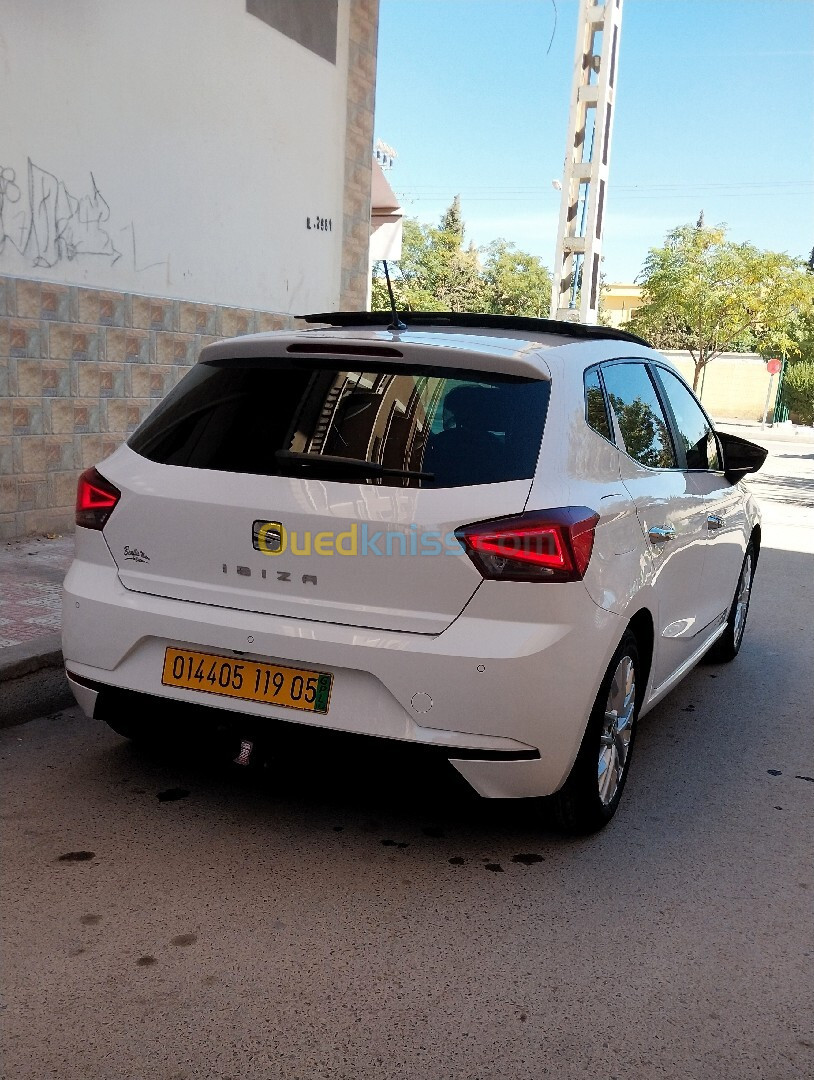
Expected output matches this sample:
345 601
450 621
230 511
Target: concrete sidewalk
752 430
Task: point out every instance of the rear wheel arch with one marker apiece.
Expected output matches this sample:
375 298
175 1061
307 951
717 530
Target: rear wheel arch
754 539
642 628
590 795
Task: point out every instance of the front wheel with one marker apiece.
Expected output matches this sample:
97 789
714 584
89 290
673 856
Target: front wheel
728 645
589 798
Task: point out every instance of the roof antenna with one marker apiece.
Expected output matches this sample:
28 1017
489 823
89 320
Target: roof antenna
396 326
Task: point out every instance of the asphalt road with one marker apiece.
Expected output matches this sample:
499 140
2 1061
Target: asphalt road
171 917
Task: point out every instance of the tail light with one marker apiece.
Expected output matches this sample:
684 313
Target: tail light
544 545
96 499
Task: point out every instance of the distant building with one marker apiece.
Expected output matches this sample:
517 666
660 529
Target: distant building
618 302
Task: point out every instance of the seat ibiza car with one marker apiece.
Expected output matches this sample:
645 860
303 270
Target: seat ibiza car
499 539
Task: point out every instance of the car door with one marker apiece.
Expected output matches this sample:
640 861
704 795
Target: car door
726 527
671 511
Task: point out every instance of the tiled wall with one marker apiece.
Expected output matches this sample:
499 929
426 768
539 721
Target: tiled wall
79 370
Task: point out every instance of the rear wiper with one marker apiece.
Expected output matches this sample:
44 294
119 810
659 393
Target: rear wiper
346 464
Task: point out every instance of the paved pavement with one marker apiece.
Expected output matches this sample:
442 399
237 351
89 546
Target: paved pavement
31 573
32 680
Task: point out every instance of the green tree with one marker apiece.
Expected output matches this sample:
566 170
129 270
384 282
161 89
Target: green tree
515 283
795 341
796 344
708 295
439 272
436 272
798 391
452 220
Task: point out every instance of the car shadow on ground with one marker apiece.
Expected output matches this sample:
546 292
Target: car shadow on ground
329 775
791 490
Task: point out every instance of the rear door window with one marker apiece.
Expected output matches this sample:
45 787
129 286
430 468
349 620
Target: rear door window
595 412
639 415
391 424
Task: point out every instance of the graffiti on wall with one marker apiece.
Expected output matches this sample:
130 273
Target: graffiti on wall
56 226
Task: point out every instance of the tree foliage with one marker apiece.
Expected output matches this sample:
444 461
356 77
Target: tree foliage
439 272
795 340
515 283
798 378
435 272
798 391
709 295
452 220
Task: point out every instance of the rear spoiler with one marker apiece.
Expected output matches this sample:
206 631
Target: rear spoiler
381 319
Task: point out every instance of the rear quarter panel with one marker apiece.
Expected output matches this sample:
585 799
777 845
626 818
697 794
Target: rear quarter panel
578 467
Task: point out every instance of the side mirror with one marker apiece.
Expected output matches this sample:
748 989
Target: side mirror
740 456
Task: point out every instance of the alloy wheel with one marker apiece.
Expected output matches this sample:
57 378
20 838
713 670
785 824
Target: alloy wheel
617 729
742 599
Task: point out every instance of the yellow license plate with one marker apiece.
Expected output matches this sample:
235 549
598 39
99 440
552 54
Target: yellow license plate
249 680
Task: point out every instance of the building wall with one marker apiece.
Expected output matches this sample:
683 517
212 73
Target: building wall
169 173
80 369
618 302
362 38
186 149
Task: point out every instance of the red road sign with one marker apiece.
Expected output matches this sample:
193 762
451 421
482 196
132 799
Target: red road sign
773 366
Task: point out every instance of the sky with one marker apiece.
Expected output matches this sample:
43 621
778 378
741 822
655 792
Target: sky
714 112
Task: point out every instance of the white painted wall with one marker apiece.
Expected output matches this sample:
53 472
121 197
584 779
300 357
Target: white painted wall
209 136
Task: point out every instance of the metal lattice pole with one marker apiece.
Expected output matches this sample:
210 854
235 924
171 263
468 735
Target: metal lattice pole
575 292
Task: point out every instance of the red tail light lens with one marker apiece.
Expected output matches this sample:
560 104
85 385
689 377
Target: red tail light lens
545 545
96 499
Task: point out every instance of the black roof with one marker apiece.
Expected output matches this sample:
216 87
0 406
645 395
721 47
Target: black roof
473 319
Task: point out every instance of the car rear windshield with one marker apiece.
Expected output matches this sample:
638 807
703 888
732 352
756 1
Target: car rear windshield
395 425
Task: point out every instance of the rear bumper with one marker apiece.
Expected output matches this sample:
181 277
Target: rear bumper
503 688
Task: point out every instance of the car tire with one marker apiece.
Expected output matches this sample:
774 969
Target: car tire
728 645
589 798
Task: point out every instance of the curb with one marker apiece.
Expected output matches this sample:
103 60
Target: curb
32 680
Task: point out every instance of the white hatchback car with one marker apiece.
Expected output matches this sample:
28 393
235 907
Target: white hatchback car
504 539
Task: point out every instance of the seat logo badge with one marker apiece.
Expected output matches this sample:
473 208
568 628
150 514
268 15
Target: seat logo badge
267 536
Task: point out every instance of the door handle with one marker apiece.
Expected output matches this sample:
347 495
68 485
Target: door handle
714 522
660 535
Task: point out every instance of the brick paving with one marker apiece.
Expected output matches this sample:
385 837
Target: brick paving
31 575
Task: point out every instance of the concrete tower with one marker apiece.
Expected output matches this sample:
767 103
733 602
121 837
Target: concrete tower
575 292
